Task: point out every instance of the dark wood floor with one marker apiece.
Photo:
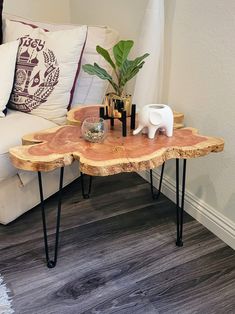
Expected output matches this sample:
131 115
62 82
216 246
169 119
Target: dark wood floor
117 255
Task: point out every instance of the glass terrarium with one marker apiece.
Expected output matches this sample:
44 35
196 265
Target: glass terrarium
94 129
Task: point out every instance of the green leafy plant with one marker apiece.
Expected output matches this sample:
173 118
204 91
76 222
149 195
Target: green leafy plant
124 70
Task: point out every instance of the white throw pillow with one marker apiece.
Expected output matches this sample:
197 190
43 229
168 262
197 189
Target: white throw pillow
8 54
89 89
46 69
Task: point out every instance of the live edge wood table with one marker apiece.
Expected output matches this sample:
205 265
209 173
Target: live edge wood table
60 146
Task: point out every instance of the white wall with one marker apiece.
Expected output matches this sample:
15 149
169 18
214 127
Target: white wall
43 10
200 81
123 15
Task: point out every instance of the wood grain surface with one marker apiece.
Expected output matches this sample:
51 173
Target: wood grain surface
77 115
116 256
60 146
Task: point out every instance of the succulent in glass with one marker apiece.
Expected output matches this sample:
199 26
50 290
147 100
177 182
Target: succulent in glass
94 129
123 68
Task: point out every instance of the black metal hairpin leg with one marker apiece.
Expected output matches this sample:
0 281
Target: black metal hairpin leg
180 208
51 263
86 195
155 196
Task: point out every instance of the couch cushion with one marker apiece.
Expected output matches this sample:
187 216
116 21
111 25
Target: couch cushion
89 89
12 128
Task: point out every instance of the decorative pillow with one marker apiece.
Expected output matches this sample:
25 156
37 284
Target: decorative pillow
46 67
88 89
8 53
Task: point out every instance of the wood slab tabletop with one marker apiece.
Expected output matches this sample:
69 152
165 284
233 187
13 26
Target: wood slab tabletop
60 146
77 115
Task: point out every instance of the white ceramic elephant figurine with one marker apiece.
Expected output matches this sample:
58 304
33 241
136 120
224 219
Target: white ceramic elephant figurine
153 117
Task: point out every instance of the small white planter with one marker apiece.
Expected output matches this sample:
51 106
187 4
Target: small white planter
153 117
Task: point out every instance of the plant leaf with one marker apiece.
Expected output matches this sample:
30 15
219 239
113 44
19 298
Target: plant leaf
140 59
105 54
96 70
115 87
121 51
129 70
101 73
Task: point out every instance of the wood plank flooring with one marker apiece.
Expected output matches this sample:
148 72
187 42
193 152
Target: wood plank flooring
117 255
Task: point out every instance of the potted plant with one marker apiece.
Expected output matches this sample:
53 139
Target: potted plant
123 71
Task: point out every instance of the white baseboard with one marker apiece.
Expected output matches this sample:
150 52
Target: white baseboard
216 222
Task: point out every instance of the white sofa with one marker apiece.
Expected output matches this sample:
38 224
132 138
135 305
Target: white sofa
19 189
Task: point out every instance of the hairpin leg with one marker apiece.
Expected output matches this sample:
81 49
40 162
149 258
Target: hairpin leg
86 195
51 263
180 208
155 196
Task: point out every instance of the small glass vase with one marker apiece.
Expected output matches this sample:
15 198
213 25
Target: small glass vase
94 129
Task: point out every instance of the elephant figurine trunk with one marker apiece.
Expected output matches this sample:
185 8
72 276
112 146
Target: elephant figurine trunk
153 117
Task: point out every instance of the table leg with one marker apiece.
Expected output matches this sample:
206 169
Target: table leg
51 263
180 208
155 196
86 195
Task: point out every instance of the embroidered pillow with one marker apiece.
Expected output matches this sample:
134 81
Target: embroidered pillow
8 54
88 89
46 67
